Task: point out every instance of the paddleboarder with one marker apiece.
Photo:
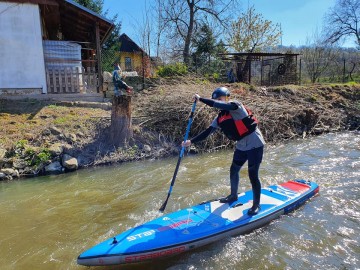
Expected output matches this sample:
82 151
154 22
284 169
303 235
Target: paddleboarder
238 124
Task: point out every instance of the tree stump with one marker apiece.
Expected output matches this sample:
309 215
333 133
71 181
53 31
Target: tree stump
120 129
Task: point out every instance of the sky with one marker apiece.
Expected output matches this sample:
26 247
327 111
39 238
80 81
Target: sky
299 19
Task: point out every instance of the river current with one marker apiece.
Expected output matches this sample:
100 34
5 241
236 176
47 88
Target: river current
46 222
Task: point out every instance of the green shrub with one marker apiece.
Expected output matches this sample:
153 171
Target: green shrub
41 157
29 151
36 157
216 76
172 70
21 144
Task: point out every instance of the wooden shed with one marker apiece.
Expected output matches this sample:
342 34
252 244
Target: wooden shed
67 38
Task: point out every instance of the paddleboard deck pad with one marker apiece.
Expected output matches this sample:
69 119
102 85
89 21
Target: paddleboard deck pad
190 228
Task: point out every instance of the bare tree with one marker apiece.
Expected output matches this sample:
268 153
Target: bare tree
317 55
150 29
351 62
181 19
343 21
144 29
157 15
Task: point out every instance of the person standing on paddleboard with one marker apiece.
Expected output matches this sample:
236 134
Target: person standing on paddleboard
239 125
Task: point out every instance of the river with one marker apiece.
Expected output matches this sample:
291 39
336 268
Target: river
46 222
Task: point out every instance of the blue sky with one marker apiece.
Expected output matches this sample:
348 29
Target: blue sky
298 18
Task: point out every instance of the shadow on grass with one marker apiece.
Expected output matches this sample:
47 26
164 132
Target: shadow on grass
24 106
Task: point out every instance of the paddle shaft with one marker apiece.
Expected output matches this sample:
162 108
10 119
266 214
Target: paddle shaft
162 208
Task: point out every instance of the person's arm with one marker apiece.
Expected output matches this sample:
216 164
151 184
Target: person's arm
203 135
228 106
123 84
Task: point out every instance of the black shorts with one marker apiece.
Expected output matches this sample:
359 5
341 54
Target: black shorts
253 156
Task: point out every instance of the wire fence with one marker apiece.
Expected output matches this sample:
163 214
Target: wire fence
329 71
280 72
109 58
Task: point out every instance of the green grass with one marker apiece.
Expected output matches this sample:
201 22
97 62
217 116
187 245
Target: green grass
61 121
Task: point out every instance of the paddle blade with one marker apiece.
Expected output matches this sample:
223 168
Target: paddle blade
162 208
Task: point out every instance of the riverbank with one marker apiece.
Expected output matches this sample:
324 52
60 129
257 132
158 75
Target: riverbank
41 136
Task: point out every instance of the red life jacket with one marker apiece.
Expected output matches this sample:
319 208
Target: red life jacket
237 129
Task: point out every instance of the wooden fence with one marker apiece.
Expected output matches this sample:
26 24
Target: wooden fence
63 80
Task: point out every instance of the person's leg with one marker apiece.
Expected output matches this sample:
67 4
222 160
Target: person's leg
255 183
116 91
254 161
239 159
234 179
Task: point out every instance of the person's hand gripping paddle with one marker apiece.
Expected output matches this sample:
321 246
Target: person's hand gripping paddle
162 208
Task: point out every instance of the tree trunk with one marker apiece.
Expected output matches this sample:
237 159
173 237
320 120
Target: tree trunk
186 52
120 129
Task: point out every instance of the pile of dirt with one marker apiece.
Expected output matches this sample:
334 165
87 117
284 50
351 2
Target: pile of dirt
39 136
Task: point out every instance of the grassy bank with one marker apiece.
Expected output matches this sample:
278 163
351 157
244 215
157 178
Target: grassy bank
36 133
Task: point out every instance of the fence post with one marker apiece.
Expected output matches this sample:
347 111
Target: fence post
344 70
98 58
143 70
300 72
261 75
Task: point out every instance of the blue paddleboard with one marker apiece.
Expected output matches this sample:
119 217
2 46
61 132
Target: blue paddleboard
190 228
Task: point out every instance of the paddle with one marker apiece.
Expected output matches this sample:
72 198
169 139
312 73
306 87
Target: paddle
162 208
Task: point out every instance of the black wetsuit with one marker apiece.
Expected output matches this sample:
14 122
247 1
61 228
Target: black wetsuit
250 148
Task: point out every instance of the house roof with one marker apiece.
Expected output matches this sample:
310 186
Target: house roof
88 11
77 22
128 45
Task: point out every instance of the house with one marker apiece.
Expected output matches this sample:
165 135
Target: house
50 46
132 57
